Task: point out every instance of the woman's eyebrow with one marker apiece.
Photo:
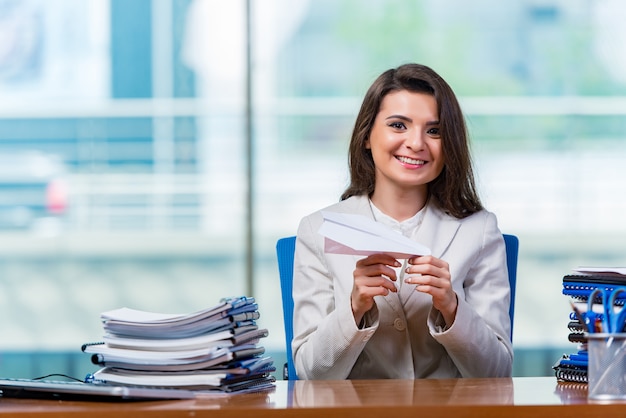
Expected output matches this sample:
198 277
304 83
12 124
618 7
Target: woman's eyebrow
402 117
408 119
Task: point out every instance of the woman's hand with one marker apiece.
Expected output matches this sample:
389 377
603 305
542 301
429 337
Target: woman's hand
373 276
432 276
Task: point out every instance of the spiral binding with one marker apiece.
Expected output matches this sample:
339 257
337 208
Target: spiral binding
566 374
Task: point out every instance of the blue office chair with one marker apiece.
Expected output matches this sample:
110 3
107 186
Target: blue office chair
511 243
285 248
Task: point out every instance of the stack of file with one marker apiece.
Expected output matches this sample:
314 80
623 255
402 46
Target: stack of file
578 287
216 349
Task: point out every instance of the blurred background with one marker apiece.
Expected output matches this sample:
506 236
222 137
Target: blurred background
153 151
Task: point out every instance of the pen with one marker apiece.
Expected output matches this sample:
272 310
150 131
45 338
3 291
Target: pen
579 315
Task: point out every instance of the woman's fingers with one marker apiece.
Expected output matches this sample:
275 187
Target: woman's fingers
373 276
432 276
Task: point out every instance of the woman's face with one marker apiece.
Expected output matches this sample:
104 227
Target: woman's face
405 141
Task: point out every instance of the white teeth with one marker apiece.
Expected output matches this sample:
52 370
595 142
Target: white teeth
408 160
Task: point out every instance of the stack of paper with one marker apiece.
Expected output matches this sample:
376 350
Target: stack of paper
213 349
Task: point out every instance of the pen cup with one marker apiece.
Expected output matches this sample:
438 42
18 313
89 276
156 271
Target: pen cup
607 366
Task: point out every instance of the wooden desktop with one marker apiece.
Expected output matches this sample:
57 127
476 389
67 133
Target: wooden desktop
504 397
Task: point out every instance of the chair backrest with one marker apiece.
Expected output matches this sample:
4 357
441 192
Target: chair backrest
285 248
512 249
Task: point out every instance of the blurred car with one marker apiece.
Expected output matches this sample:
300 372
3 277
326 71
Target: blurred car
33 191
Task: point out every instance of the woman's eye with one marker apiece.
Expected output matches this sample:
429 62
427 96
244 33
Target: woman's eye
397 125
433 131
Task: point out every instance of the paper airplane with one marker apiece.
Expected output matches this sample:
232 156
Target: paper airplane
358 235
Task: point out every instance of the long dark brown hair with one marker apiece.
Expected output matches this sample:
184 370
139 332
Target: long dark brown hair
454 189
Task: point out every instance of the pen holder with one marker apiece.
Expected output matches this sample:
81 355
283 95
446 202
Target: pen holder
606 372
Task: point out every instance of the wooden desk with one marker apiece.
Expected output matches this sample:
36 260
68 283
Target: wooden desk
517 397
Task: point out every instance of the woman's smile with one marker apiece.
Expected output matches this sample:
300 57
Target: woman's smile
412 162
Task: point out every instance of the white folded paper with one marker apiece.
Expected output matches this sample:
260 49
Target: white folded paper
358 235
607 271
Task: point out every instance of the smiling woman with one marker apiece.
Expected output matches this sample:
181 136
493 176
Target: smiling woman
431 316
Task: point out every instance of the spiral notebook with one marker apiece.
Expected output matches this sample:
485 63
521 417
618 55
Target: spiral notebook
579 286
572 367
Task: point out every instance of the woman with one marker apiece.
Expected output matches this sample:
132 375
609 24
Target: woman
443 315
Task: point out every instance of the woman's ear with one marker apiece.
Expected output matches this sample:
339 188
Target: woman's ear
367 144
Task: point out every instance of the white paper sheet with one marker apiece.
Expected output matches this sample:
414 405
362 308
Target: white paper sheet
620 271
358 235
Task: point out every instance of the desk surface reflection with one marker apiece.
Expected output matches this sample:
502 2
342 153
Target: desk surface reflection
516 397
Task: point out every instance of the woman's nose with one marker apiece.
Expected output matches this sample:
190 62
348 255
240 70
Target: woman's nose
415 140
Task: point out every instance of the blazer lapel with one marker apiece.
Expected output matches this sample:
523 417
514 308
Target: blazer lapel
437 230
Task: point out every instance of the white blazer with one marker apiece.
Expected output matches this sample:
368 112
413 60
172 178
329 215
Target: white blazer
404 336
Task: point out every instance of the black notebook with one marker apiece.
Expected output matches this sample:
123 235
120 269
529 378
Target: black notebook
52 389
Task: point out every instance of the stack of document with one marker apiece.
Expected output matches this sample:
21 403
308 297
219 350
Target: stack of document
216 349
